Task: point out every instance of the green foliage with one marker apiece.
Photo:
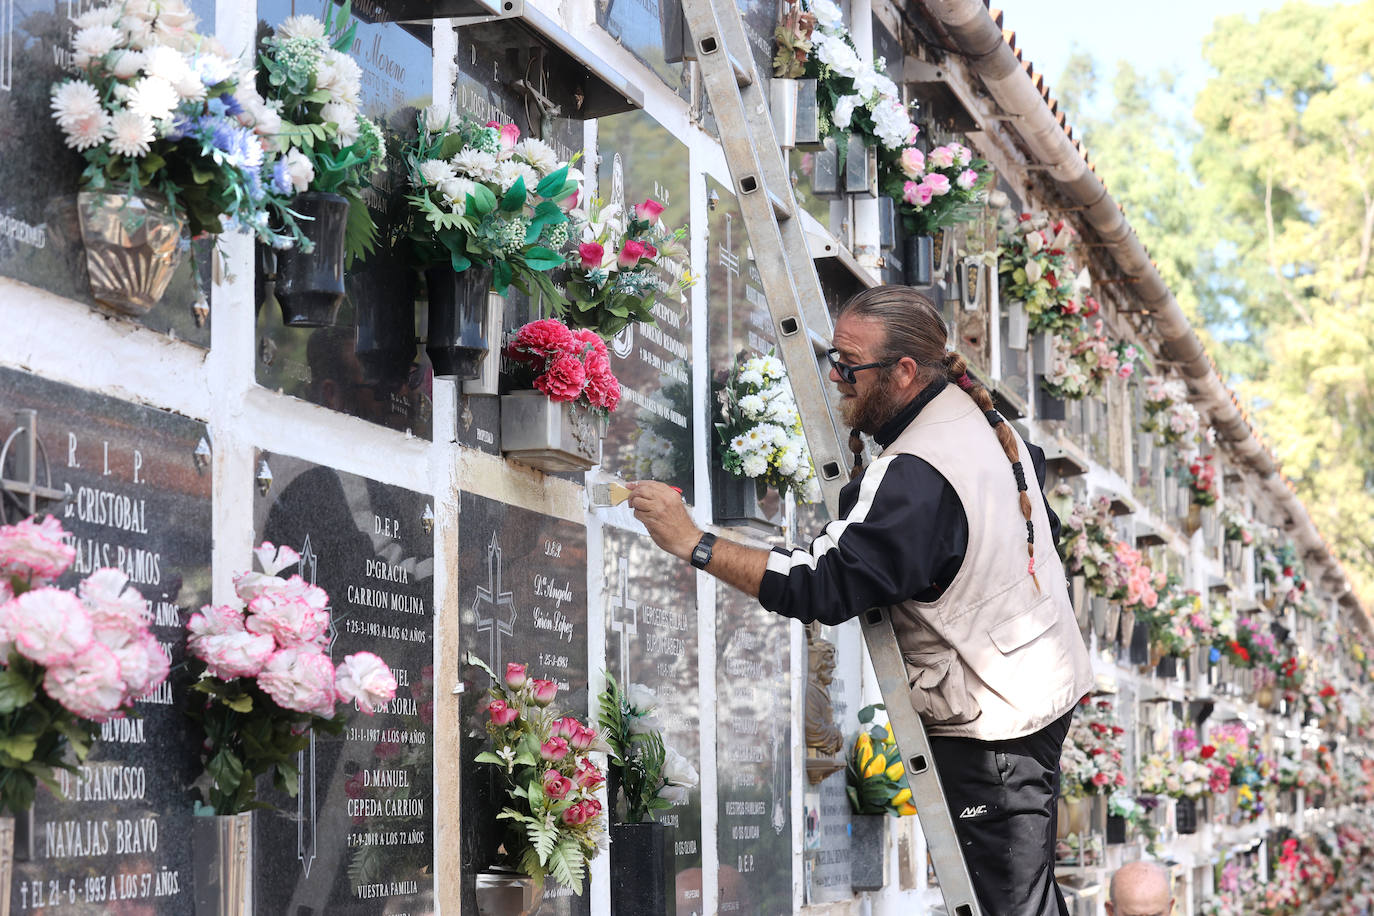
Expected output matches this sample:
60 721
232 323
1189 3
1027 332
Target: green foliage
875 778
635 759
247 735
37 735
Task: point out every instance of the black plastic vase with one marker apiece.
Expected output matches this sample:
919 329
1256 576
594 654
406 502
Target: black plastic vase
1185 815
639 870
919 260
383 298
310 285
457 341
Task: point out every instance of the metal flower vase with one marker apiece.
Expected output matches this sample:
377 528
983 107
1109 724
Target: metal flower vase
222 863
919 260
550 435
458 306
796 114
6 863
868 852
133 247
641 879
310 285
1185 816
507 894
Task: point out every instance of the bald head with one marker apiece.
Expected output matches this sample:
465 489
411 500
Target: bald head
1140 889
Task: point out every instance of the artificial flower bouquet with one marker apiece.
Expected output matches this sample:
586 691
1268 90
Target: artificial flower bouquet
555 823
1201 477
874 774
759 429
486 198
793 37
71 660
853 96
264 681
936 189
1088 544
646 774
1091 760
1173 777
1218 771
327 145
1177 622
566 365
1167 412
1035 267
1139 587
614 273
1253 645
1236 527
1082 361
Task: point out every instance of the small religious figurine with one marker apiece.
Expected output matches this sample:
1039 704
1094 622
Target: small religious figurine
822 734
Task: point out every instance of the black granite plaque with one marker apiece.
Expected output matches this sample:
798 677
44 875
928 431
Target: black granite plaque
651 431
359 837
118 834
651 639
40 236
370 363
491 59
639 25
522 598
753 756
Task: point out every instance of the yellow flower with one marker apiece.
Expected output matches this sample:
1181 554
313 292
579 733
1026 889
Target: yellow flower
889 738
901 798
894 772
878 764
907 810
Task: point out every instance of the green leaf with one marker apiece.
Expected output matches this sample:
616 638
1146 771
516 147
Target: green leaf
481 200
16 690
241 703
552 182
19 747
514 199
541 258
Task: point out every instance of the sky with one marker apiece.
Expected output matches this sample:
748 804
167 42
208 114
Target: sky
1150 36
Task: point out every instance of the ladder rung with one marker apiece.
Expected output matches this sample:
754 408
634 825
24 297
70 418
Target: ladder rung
780 208
744 75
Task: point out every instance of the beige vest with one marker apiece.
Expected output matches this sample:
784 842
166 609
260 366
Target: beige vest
994 657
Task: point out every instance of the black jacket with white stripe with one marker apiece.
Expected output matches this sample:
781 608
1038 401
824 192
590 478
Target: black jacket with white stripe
902 538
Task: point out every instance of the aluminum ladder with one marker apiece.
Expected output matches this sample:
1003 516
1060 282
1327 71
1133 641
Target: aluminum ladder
803 325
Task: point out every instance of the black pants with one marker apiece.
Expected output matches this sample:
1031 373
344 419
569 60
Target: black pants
1002 796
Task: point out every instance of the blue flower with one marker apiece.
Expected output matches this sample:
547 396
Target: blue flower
1214 655
253 181
217 107
232 107
281 177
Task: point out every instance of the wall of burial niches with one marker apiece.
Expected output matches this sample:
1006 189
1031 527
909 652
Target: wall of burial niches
225 427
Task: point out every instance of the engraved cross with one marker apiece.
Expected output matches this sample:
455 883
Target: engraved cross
626 625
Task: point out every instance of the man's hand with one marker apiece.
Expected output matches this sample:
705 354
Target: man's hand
660 508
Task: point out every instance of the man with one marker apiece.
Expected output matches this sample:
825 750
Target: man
1140 889
941 530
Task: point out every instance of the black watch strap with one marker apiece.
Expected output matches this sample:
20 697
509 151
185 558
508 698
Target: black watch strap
701 554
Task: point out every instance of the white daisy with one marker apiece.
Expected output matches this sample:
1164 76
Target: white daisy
88 132
456 191
130 134
475 163
99 15
95 42
73 101
301 27
169 65
127 64
739 445
436 171
153 97
538 154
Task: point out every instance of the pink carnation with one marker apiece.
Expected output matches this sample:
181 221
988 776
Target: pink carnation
249 585
214 620
90 686
564 379
541 338
294 614
236 654
112 602
35 551
142 664
300 679
603 391
274 559
363 678
592 345
48 625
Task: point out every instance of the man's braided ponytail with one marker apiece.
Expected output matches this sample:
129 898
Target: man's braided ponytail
915 328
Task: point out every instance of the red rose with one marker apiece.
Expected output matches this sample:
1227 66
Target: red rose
592 254
1091 307
564 379
1051 279
630 253
1207 751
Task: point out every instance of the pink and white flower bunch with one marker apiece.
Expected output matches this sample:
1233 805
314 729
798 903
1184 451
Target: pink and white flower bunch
1201 476
935 189
1083 360
556 823
566 365
1168 414
1139 584
1091 759
67 659
266 680
1088 544
1035 266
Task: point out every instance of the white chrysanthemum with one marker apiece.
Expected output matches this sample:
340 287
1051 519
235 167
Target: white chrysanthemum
346 117
214 69
751 377
436 171
95 42
755 466
131 134
456 191
153 98
127 64
772 367
509 171
88 132
167 64
340 76
75 101
138 32
475 163
752 406
99 15
436 116
301 27
828 14
739 445
299 169
538 154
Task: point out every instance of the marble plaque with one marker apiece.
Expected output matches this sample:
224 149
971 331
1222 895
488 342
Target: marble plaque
40 236
370 363
754 757
117 837
826 809
651 639
651 432
522 598
650 30
359 836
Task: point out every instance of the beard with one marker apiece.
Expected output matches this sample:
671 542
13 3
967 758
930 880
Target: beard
869 412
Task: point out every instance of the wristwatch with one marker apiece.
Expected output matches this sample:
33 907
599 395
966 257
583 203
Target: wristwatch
701 554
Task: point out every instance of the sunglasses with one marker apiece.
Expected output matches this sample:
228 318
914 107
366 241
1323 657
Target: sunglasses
846 372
